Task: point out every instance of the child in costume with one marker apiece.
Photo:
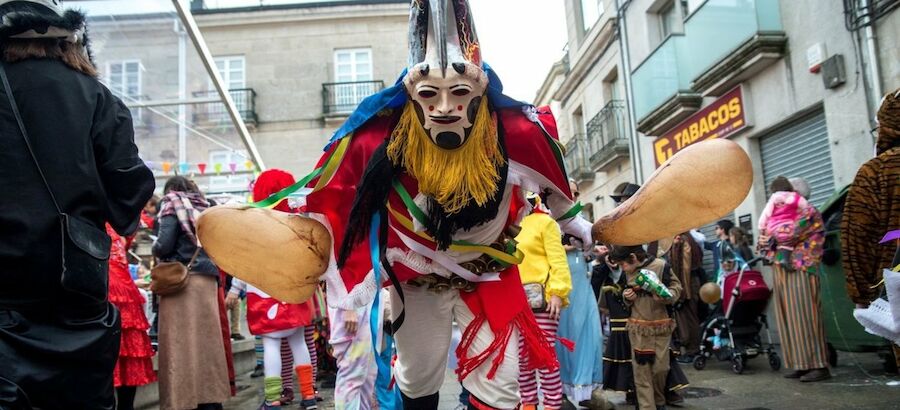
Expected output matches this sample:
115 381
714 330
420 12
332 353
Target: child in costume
274 320
649 324
135 365
617 366
546 272
437 166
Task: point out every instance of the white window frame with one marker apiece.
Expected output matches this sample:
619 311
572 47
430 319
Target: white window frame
588 20
218 110
350 95
225 72
120 90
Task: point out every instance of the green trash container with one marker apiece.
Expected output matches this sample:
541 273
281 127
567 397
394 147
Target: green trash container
841 328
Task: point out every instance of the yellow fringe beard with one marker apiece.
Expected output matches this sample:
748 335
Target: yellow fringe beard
453 178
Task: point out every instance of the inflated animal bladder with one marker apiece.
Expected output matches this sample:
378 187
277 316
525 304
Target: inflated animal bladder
281 254
698 185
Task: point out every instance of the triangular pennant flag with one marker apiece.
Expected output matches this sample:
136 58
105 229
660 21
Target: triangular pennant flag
233 167
218 167
249 165
202 167
166 167
184 167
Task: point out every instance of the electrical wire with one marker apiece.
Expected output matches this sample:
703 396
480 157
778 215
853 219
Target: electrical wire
856 17
188 127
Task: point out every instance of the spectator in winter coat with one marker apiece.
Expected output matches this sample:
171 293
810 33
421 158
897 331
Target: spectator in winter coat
79 160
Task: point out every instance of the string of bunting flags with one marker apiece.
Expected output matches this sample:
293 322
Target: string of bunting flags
184 168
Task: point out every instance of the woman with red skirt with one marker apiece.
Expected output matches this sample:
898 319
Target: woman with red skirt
135 364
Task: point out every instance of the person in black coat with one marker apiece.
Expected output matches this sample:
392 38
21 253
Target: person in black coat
59 336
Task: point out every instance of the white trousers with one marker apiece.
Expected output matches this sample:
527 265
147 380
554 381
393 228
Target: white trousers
424 338
272 349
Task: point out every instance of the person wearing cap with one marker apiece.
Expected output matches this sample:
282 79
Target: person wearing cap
624 192
72 153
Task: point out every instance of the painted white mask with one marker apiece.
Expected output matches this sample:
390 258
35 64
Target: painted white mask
447 103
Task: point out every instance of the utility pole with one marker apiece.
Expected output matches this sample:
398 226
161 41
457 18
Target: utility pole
634 146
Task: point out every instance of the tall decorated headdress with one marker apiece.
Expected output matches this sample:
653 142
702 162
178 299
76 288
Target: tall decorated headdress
445 78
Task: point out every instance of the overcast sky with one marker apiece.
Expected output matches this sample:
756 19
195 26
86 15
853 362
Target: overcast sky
521 39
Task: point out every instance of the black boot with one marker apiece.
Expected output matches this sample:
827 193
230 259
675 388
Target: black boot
421 403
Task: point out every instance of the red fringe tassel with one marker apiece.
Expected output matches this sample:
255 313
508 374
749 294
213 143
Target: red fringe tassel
541 353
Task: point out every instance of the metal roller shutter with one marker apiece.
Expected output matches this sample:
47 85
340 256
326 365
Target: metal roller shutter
801 150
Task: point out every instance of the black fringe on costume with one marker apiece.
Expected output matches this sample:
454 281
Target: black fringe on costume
371 195
19 17
442 225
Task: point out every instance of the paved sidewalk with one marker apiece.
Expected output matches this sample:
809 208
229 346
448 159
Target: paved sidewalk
858 383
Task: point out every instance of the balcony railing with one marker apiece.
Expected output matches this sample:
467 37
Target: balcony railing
244 100
716 29
342 98
576 159
606 135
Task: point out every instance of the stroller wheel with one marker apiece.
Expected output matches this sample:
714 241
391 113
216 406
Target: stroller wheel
737 364
700 362
774 362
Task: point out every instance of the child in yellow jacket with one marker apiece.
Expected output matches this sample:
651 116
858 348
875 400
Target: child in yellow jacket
545 263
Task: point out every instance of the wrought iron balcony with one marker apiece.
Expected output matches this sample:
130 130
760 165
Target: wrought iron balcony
576 159
244 100
342 98
606 136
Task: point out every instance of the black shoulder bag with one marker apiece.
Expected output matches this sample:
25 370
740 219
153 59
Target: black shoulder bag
85 248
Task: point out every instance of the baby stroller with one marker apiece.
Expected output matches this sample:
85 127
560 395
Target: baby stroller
732 331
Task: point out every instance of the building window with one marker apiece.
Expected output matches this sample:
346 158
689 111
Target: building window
124 80
590 12
668 19
353 78
232 70
353 65
228 183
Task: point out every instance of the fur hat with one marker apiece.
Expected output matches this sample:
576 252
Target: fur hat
40 19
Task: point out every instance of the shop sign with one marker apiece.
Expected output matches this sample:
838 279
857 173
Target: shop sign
720 119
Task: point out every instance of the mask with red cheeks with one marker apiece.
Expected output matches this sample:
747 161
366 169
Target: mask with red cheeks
447 103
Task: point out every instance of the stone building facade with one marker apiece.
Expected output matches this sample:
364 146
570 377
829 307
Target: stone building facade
295 72
587 94
802 79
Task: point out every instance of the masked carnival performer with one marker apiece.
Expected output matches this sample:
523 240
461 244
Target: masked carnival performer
437 166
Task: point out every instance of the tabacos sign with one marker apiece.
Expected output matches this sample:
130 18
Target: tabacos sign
720 119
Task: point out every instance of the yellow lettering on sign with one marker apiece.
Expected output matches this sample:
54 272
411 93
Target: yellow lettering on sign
683 138
660 149
695 131
734 108
723 113
704 127
713 119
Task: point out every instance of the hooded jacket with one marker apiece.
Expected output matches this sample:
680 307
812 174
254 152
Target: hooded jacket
873 208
